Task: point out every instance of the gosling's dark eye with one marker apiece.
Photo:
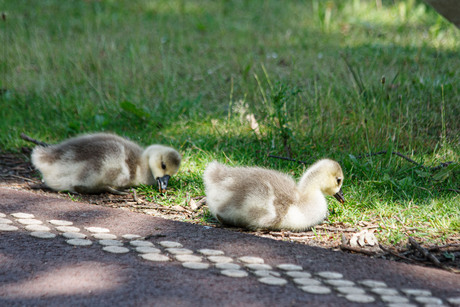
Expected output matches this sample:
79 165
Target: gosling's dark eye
163 165
339 180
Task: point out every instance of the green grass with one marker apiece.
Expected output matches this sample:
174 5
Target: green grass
336 79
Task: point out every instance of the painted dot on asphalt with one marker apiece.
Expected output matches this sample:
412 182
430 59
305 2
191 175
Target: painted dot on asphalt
22 215
141 243
339 282
234 273
2 214
385 291
73 235
37 228
115 249
289 267
274 281
6 227
154 257
147 250
417 292
330 275
251 259
61 222
316 289
188 258
298 274
68 229
306 281
220 259
97 229
228 266
29 222
454 300
43 234
130 236
79 242
394 299
266 273
428 300
179 251
350 290
5 221
258 266
104 236
210 252
195 265
360 298
169 244
110 242
373 283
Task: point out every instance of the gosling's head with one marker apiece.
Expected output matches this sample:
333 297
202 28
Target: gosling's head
331 176
163 162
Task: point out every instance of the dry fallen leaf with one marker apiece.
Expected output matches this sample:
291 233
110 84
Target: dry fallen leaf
364 237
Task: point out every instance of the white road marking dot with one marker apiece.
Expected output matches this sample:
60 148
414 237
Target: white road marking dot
6 227
211 252
266 273
330 275
130 236
373 283
195 265
115 249
251 259
73 235
306 281
97 229
234 273
43 234
22 215
258 266
401 305
228 266
5 221
2 214
274 281
385 291
147 250
29 222
179 251
110 242
350 290
141 243
104 236
428 300
188 258
339 282
68 229
61 222
360 298
289 267
154 257
417 292
394 299
37 228
79 242
316 289
220 259
454 300
168 244
298 274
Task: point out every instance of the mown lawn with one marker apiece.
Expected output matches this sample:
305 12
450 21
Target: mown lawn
238 81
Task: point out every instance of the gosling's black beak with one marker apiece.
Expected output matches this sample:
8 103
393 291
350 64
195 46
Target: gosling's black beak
339 196
163 183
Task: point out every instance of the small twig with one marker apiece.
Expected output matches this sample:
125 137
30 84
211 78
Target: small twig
135 195
427 254
389 251
357 250
29 139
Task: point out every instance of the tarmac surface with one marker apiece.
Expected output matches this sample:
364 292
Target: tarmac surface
179 270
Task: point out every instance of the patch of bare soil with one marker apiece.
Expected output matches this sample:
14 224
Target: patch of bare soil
17 172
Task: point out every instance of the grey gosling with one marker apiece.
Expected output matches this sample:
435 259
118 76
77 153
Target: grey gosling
104 162
258 198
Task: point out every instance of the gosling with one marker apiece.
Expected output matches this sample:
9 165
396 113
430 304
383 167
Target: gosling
258 198
104 162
